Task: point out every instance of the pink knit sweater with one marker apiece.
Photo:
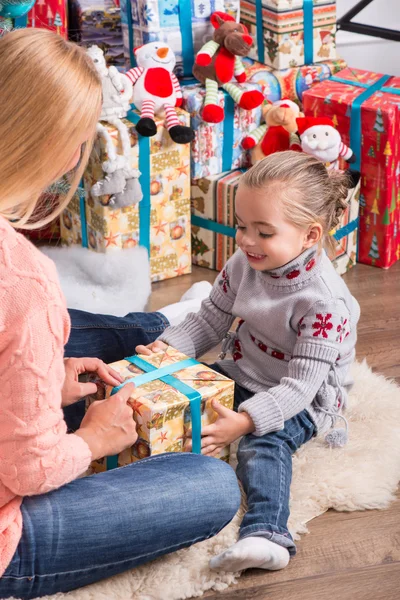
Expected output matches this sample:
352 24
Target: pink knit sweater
36 453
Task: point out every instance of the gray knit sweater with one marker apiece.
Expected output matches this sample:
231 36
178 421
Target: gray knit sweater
294 344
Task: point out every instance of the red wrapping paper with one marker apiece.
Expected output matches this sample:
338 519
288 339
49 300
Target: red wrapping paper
49 14
379 230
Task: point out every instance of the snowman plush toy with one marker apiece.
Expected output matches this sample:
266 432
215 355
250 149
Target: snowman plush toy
156 90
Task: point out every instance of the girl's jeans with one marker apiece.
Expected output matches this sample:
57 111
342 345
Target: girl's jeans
265 471
102 525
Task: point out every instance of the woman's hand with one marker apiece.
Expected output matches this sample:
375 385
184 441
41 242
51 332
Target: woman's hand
73 390
157 346
108 426
228 427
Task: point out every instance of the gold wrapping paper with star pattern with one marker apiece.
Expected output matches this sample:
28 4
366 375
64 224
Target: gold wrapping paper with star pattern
113 229
162 413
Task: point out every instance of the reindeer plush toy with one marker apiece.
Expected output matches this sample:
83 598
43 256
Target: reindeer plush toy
219 61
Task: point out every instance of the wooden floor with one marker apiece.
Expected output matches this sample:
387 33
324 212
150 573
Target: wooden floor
346 556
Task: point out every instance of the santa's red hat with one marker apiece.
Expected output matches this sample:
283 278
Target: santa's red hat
305 123
325 34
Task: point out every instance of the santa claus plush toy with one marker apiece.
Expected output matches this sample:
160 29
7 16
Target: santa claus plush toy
156 90
320 139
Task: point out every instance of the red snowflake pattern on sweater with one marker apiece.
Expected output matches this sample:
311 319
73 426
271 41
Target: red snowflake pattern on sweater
342 330
322 325
224 281
237 351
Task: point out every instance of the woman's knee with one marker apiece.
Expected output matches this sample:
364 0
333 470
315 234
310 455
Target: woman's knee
217 482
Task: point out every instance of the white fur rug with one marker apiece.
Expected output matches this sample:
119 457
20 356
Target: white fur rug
114 283
363 475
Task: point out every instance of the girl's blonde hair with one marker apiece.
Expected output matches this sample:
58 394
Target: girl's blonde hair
50 94
308 192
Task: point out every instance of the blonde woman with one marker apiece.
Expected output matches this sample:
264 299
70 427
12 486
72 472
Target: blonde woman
58 531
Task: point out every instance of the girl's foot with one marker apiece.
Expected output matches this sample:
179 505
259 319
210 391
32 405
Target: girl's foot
189 303
252 553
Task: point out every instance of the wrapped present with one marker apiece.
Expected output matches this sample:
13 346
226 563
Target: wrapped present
182 24
97 23
217 147
293 82
49 14
290 33
173 395
364 106
161 221
213 223
48 233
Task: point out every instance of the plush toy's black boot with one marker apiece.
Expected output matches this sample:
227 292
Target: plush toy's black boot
146 127
181 134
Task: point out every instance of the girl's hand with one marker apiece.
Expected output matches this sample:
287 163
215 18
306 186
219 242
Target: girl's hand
157 346
228 427
108 426
73 390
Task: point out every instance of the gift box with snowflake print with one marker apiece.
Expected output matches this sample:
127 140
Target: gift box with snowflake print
184 26
167 407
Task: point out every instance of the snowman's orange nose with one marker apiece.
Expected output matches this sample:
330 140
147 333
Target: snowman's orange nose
162 52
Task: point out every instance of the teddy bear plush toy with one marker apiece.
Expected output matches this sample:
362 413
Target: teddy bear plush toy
120 181
278 131
156 90
218 62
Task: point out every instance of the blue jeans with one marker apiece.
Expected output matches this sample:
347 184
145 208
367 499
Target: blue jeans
102 525
265 471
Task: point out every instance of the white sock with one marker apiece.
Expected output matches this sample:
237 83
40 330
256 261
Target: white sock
252 553
190 302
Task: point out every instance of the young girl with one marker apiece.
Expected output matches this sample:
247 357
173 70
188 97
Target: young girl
292 349
58 531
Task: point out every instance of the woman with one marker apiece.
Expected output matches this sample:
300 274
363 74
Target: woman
59 531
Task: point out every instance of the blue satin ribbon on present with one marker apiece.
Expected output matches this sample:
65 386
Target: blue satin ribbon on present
144 179
355 119
185 23
164 374
82 210
308 28
231 231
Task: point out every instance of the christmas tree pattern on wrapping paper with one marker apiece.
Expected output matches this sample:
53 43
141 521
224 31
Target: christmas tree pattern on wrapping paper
379 128
374 250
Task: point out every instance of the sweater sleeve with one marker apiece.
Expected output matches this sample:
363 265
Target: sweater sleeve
36 453
202 331
320 334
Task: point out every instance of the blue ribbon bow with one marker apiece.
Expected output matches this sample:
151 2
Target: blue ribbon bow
164 374
355 117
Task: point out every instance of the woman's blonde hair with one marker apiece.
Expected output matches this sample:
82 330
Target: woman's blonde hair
308 192
50 94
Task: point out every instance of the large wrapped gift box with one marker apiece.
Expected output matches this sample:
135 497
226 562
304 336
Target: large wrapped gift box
173 395
182 24
293 82
97 22
365 108
49 14
161 221
217 147
290 33
213 223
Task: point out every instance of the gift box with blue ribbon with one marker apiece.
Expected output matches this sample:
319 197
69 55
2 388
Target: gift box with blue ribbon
290 33
293 82
217 147
172 397
364 107
182 24
160 222
213 223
